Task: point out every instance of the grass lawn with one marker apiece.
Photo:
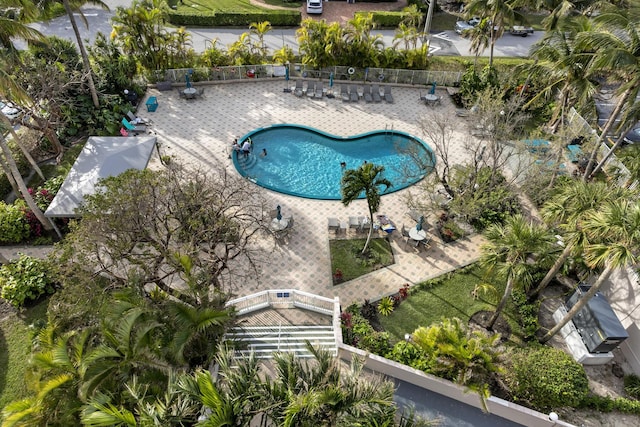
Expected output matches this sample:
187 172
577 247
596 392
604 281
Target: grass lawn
448 296
345 256
206 6
15 349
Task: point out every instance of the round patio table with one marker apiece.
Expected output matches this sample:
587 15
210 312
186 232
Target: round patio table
416 234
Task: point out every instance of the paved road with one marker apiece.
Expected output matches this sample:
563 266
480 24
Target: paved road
449 43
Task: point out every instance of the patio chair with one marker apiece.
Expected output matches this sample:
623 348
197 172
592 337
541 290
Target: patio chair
133 129
367 94
375 93
311 89
200 92
297 91
135 120
353 93
387 94
344 93
334 224
181 93
405 234
355 222
425 244
319 90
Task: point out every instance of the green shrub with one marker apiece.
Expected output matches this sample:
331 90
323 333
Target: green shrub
632 386
277 18
546 378
385 306
385 19
13 223
528 314
25 279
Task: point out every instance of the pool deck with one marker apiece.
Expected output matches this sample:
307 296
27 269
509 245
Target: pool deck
200 132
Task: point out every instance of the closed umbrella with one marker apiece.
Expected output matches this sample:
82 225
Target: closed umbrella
331 80
286 78
278 213
419 224
433 88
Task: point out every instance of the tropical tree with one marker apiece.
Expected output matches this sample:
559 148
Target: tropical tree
260 29
616 228
363 47
453 351
320 44
367 178
513 251
174 226
567 210
70 8
563 68
499 13
480 37
616 43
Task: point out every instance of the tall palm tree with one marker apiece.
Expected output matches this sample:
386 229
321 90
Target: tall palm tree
260 29
363 46
367 178
564 68
499 13
616 43
567 210
616 227
74 6
512 250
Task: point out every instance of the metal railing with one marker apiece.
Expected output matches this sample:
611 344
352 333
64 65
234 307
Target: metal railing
284 298
296 71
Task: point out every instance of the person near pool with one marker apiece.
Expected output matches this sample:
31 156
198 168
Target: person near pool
264 152
246 147
235 145
343 165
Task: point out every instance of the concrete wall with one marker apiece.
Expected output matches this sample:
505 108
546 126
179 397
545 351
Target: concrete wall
623 292
500 407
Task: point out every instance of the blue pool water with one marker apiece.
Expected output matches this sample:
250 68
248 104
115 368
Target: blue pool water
305 162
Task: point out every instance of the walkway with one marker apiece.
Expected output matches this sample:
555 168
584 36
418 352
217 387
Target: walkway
200 132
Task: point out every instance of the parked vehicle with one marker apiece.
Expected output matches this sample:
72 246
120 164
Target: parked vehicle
10 111
314 7
520 30
462 26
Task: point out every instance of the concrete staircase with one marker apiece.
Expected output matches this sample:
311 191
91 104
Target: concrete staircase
265 340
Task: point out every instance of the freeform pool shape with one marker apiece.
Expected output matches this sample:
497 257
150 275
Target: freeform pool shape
306 162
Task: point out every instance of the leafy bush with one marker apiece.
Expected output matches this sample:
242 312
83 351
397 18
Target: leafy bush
385 306
358 332
546 378
277 18
528 314
13 223
632 386
25 279
410 355
607 404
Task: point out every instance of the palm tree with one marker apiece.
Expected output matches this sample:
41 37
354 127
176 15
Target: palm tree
363 47
564 68
567 210
616 43
367 178
616 228
480 38
512 251
499 13
260 29
321 393
70 8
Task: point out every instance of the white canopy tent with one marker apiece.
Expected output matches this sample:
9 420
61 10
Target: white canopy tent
101 157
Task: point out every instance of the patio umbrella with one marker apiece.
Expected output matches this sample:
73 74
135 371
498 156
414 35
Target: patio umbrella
419 224
279 213
286 73
331 80
186 77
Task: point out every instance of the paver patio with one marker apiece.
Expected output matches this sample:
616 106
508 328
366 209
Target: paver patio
200 132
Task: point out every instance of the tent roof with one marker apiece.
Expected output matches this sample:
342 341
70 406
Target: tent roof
101 157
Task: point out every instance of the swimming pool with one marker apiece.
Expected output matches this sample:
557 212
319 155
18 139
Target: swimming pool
306 162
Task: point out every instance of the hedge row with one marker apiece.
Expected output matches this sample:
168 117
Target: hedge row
277 18
385 19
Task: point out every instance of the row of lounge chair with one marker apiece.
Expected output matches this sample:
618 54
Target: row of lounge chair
370 93
349 93
311 89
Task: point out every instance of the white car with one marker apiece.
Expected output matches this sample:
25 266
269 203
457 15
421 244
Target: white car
10 111
314 7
